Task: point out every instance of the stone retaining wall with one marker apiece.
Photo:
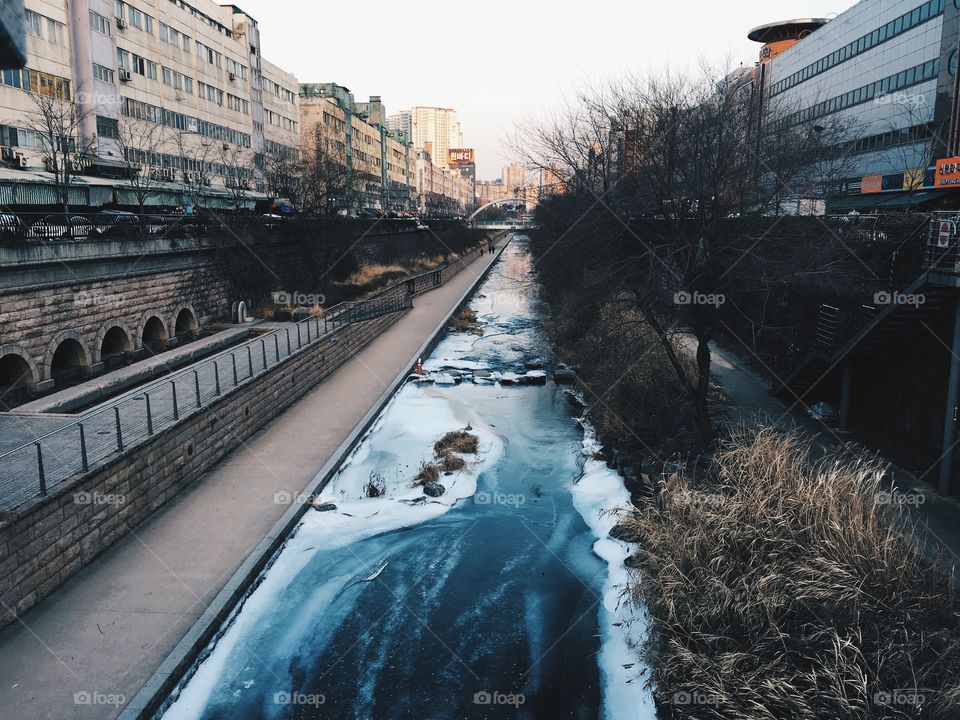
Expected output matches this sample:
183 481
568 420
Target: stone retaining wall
54 537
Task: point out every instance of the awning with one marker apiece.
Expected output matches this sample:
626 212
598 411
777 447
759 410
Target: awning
881 201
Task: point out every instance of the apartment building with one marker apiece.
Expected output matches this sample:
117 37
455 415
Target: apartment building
435 130
165 89
378 161
439 190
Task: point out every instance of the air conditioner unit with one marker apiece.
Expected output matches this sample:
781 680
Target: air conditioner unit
76 166
188 177
156 174
233 77
6 153
121 24
205 179
169 174
125 75
22 161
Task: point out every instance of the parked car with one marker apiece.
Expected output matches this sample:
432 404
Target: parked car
117 224
10 227
59 226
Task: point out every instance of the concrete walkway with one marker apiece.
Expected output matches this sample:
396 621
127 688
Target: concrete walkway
85 651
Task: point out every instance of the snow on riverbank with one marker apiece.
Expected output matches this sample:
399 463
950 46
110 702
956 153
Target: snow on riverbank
394 448
622 627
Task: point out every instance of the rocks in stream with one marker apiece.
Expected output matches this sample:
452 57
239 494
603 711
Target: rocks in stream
564 375
624 534
433 489
324 507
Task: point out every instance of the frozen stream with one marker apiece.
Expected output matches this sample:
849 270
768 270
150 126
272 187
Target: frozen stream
494 600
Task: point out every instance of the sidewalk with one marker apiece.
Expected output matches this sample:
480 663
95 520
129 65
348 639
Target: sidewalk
103 634
749 394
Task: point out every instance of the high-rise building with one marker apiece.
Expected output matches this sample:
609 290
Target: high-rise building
436 130
514 176
401 122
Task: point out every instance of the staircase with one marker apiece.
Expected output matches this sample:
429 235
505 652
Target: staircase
884 327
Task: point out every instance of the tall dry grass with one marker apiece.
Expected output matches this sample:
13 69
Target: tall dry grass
785 587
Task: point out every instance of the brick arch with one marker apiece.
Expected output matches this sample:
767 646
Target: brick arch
102 333
144 319
172 329
56 342
12 349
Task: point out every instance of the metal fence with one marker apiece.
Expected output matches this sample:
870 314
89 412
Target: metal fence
35 468
943 242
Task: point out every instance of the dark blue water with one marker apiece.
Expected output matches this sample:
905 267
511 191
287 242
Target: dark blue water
486 609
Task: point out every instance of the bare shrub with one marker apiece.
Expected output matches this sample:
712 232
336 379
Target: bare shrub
459 441
786 588
428 472
376 485
451 463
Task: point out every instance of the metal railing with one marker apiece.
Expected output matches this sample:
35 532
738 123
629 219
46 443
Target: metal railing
836 326
36 467
943 243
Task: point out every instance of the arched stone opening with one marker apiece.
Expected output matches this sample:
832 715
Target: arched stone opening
154 335
15 377
115 343
185 324
68 362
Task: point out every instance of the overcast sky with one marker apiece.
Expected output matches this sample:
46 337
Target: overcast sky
500 61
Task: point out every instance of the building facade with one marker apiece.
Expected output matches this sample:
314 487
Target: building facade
435 130
174 93
883 74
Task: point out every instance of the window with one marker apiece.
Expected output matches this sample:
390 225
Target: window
123 59
174 37
102 73
135 17
55 32
16 78
147 24
107 127
34 24
99 23
118 9
142 66
47 84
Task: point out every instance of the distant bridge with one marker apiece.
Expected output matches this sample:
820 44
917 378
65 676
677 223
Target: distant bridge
503 224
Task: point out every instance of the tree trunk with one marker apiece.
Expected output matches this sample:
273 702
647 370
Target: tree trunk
704 423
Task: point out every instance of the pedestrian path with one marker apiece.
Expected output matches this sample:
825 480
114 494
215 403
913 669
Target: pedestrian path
109 628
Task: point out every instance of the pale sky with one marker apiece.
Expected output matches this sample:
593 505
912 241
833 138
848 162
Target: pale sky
501 61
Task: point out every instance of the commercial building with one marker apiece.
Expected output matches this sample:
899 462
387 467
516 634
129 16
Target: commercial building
379 164
884 72
174 94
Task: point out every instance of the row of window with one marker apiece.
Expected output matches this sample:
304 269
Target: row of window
46 28
206 18
37 82
892 138
186 164
99 23
179 121
135 63
278 120
20 137
902 24
174 37
278 90
177 80
906 78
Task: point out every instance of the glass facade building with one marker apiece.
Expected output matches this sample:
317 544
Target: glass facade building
884 72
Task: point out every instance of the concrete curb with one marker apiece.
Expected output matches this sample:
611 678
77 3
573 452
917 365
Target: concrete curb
151 696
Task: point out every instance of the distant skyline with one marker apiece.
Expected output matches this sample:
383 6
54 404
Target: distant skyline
510 61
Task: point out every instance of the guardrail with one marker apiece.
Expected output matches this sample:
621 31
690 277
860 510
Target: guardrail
40 465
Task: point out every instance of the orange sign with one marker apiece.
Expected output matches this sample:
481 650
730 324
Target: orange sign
460 156
948 173
871 184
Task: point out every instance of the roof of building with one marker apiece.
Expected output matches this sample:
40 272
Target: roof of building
786 29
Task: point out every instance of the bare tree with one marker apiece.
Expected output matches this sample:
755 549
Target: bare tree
140 143
237 173
195 165
57 123
327 184
669 176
